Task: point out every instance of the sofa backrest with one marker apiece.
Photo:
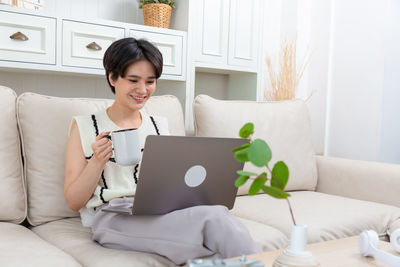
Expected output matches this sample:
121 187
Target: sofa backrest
284 125
12 191
44 123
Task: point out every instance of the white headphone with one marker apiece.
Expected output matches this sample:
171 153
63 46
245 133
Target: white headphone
368 244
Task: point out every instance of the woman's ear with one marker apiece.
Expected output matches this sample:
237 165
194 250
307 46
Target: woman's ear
110 79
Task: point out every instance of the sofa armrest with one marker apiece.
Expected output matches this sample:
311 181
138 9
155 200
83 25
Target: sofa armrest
372 181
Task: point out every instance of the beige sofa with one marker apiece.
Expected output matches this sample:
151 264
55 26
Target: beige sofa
334 197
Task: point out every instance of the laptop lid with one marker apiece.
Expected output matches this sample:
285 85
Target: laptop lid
178 172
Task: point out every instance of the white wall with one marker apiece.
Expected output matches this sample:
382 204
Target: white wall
313 31
390 127
354 70
213 84
118 10
361 92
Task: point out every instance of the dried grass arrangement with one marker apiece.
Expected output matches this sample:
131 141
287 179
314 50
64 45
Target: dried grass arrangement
286 77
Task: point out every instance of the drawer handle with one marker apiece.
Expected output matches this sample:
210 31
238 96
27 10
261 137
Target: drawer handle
19 36
94 46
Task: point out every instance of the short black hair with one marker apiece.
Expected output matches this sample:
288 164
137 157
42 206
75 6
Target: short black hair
122 53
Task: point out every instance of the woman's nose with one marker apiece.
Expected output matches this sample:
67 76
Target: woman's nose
141 86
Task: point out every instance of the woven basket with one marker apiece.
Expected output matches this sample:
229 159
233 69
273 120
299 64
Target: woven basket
157 15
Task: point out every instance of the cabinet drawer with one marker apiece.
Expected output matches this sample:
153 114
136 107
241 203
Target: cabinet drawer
27 38
171 47
84 44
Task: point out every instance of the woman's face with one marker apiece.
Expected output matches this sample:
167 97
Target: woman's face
136 87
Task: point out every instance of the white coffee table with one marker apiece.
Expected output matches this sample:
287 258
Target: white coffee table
336 253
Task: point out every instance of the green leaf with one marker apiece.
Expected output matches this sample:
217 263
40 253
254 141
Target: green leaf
280 175
241 147
244 173
259 153
275 192
263 174
241 180
246 130
242 155
257 185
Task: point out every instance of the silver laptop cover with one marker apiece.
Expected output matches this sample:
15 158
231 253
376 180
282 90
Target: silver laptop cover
166 159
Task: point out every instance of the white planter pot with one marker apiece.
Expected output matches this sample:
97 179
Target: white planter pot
296 254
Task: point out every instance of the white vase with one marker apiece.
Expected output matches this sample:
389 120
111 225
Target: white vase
296 254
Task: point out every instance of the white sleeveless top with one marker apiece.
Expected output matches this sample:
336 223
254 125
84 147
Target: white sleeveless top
116 180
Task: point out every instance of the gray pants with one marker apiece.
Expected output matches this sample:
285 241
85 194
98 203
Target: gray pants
199 231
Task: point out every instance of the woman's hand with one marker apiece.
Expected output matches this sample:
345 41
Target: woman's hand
102 148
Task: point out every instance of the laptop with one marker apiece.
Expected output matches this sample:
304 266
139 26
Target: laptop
179 172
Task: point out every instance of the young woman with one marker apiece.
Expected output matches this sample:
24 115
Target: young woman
93 180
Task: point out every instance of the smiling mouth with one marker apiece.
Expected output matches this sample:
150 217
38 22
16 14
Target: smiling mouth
138 97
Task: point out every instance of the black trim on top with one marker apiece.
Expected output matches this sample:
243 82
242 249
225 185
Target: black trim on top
155 125
96 128
135 173
101 195
104 180
125 130
95 124
136 170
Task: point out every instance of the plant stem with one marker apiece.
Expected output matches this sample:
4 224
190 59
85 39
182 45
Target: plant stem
287 199
291 211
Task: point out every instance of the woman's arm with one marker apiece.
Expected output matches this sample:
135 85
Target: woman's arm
81 176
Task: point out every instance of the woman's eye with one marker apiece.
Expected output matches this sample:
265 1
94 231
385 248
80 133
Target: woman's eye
150 82
133 81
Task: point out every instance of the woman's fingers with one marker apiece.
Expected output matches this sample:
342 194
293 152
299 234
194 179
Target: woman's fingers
102 135
103 144
104 153
99 148
102 147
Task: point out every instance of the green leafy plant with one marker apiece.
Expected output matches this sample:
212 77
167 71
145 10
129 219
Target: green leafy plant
259 154
171 3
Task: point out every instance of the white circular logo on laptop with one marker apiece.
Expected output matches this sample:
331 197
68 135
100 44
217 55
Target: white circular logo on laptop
195 176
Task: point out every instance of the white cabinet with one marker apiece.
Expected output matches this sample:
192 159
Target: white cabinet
211 30
84 44
244 28
171 47
226 32
26 38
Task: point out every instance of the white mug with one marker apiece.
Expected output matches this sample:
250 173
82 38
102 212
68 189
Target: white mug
126 146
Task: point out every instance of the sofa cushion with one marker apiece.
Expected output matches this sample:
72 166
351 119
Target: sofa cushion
44 123
70 236
284 125
268 237
21 247
327 216
12 192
